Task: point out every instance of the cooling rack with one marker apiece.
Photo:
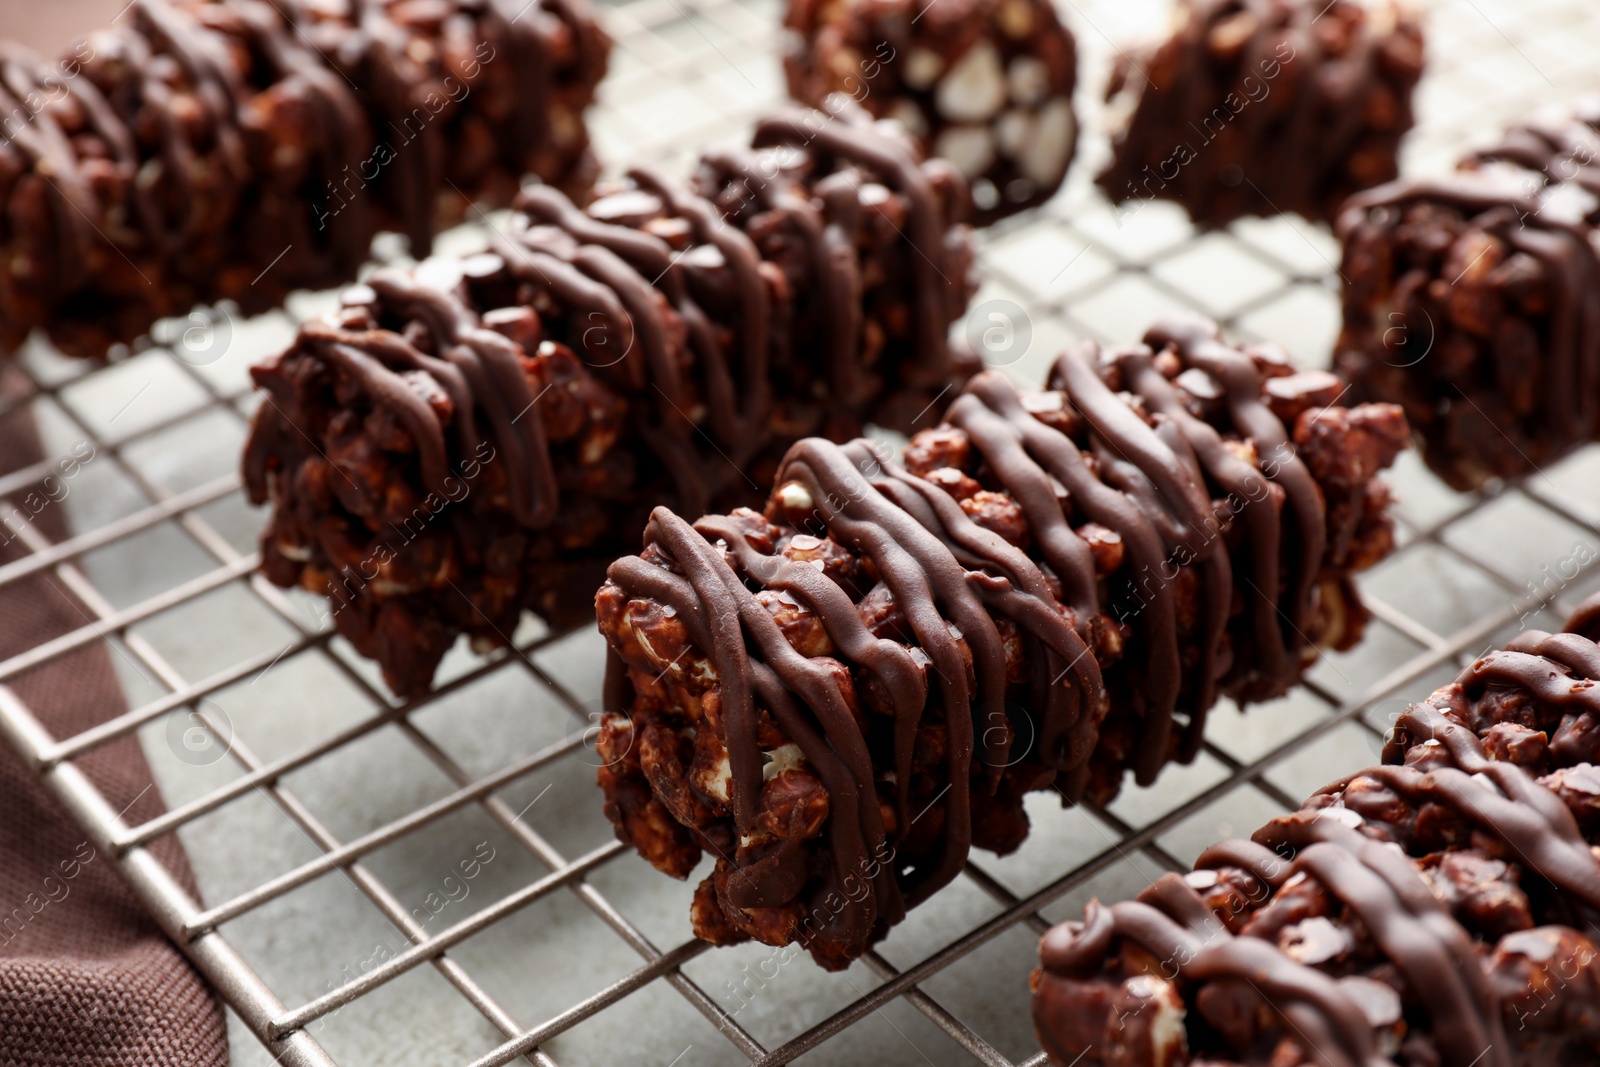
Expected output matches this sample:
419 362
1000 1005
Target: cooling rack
432 882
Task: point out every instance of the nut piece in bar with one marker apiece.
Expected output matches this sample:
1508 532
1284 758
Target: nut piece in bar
481 436
1472 301
1261 107
984 84
835 699
210 151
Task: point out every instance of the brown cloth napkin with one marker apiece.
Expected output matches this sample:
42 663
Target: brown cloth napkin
86 978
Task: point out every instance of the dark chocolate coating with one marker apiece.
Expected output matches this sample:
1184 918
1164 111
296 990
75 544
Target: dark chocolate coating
1261 107
1472 301
992 627
594 364
1438 909
207 150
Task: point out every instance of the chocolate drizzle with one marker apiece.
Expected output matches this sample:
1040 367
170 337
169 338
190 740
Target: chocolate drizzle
226 126
1533 198
1522 814
481 370
653 305
938 285
374 53
1369 843
813 166
1171 922
1155 494
1334 83
1130 457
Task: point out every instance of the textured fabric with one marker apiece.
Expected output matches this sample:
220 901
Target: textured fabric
86 978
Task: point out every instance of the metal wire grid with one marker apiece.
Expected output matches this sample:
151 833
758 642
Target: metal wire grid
1470 569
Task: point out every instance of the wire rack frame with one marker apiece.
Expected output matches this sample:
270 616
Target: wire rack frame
646 60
